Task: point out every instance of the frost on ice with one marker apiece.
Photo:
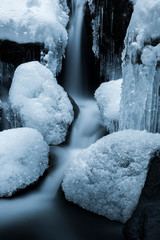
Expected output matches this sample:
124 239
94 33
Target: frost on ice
107 178
24 158
141 69
32 21
108 97
37 101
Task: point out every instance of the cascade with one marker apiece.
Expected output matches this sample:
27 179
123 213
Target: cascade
73 78
42 204
87 128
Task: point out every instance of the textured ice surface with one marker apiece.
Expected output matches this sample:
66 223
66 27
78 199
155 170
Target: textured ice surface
108 97
26 21
39 102
107 178
23 159
141 69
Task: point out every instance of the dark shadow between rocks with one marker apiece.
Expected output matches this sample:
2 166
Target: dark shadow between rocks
145 221
13 54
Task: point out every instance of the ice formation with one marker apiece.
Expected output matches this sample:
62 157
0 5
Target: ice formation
107 18
28 21
141 69
37 101
107 178
24 158
108 97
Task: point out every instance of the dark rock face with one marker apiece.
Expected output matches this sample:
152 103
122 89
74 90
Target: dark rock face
0 118
110 20
13 54
145 222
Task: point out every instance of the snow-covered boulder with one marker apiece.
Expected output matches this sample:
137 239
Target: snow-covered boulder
32 21
141 69
23 159
107 178
108 97
37 101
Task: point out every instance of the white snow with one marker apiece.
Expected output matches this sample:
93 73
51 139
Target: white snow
39 102
108 97
26 21
107 178
141 71
23 159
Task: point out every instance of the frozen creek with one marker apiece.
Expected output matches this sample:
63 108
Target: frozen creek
42 212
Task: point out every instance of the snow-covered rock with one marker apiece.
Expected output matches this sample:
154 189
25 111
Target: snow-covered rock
141 69
108 97
23 159
32 21
37 101
107 178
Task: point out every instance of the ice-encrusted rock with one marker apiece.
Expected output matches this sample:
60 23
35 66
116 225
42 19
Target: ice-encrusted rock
23 159
32 21
108 97
37 101
141 69
107 178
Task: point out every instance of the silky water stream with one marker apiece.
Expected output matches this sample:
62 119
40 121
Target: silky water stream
41 212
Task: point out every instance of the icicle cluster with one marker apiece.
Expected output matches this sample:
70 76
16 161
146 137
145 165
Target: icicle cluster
107 18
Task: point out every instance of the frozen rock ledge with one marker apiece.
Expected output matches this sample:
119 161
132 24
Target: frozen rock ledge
23 159
107 178
37 101
37 21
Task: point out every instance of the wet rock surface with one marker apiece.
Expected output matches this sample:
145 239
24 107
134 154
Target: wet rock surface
107 25
145 222
12 55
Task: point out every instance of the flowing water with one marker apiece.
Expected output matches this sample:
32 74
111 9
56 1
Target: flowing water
42 213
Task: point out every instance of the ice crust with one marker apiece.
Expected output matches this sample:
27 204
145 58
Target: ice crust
107 178
26 21
23 159
141 72
37 101
108 97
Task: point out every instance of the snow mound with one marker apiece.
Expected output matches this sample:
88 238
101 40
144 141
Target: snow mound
108 97
26 21
24 158
141 69
107 178
37 101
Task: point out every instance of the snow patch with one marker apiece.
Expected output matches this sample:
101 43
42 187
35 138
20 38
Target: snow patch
39 102
107 178
23 159
108 97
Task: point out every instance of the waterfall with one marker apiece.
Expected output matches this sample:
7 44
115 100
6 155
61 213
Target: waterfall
87 128
74 72
85 131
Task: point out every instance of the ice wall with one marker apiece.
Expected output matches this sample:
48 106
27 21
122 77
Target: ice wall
110 20
140 104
